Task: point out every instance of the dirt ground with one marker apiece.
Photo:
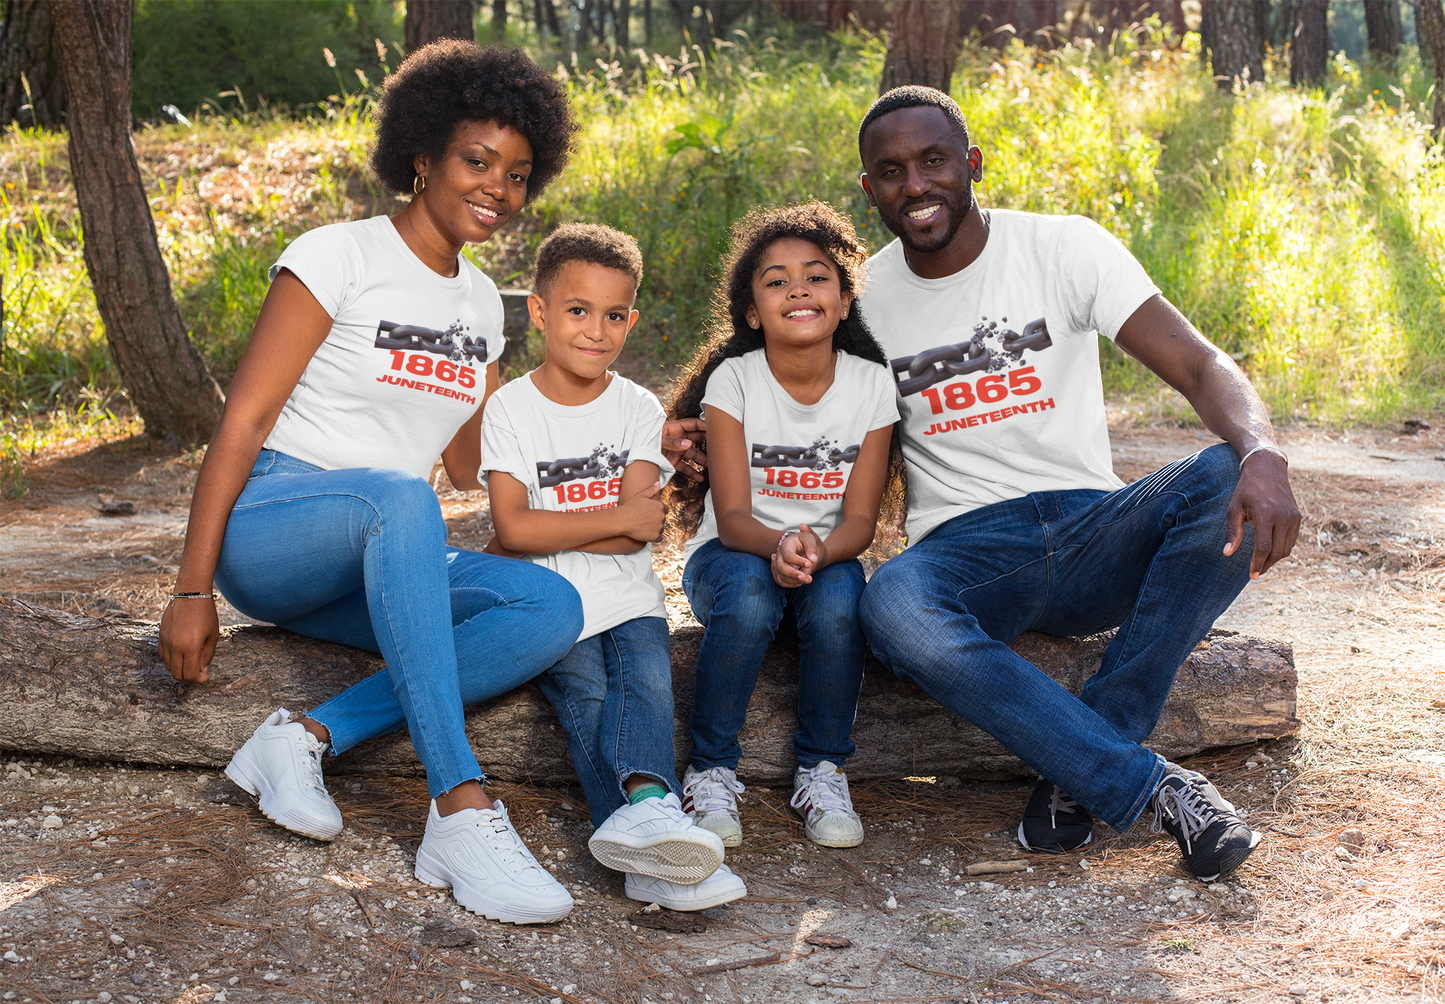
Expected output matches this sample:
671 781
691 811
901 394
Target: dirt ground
125 883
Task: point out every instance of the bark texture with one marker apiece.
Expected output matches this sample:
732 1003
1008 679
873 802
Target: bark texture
1383 30
428 20
1236 51
80 686
28 57
1431 19
923 46
167 380
1309 52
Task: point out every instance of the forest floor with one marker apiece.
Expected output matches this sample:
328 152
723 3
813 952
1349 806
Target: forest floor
129 883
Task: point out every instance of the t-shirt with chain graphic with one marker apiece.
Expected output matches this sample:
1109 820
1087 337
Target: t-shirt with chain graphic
996 367
403 365
571 459
800 455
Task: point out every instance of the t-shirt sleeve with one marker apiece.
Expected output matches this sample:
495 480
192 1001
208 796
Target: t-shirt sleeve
327 262
501 449
646 441
725 389
1100 283
885 398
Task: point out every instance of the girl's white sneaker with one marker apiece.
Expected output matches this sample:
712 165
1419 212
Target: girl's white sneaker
710 797
820 796
478 853
281 764
655 837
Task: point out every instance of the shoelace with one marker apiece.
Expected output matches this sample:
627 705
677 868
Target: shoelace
314 748
1188 807
497 830
1059 802
825 792
714 790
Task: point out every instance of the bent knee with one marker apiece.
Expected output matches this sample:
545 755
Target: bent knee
1216 470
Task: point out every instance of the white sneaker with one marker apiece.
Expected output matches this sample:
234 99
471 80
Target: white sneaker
478 853
820 796
281 763
710 797
656 838
722 886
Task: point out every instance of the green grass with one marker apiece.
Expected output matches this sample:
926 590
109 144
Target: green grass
1304 232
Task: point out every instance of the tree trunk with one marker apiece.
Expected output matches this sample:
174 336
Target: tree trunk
647 24
621 26
429 20
1382 26
167 380
499 22
553 24
1309 53
923 46
1236 53
1430 16
28 59
79 686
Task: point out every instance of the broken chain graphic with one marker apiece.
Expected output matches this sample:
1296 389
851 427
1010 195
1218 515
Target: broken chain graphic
601 464
811 457
945 362
451 343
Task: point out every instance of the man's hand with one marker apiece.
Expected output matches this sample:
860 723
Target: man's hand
1263 497
189 632
679 443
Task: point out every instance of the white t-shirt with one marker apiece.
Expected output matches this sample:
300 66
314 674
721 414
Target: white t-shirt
571 459
997 366
403 365
802 455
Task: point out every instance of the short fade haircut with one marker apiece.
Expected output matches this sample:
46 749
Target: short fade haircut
914 96
590 244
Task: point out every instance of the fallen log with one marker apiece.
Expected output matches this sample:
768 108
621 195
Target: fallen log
81 686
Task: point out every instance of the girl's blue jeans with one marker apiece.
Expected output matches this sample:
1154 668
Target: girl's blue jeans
613 695
735 598
359 557
1147 559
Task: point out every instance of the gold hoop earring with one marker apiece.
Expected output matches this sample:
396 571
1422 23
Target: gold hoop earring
418 184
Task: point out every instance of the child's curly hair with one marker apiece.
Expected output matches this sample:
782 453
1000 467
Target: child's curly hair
448 82
729 334
589 244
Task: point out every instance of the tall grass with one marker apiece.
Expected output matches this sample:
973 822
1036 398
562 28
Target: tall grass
1302 231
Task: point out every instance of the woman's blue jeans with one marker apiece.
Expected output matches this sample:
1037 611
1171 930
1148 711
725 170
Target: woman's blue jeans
359 557
613 695
1147 559
735 598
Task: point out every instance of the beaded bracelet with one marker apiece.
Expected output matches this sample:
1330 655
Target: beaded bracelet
193 596
779 545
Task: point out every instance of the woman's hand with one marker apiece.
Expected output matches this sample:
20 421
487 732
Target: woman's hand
643 514
798 557
189 632
679 443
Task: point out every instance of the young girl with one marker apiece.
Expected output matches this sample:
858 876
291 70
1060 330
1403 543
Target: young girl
800 411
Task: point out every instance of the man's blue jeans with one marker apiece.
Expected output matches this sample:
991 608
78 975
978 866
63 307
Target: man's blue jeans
360 557
734 596
1147 559
613 695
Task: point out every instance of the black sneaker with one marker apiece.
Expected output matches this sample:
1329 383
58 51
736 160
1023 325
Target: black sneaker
1207 828
1053 822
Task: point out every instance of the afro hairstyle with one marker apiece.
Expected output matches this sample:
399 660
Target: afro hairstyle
448 82
590 244
914 96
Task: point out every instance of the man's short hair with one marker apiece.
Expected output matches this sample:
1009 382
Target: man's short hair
591 244
914 96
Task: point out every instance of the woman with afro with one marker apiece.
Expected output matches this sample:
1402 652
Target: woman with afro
374 353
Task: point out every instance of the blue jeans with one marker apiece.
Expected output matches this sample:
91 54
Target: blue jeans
1146 559
735 598
613 695
360 557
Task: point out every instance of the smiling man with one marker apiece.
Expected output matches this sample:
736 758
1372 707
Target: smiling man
1016 521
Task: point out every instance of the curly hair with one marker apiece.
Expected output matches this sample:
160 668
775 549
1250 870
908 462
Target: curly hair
448 82
729 334
590 244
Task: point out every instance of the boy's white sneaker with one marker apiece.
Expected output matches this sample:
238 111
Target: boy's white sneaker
820 796
281 764
656 838
478 853
710 797
722 886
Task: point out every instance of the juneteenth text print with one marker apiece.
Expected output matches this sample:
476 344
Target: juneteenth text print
990 350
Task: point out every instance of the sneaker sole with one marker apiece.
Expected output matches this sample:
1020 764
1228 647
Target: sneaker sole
434 873
693 905
253 783
1233 859
1046 850
836 841
686 860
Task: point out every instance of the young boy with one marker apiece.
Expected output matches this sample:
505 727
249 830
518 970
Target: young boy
574 473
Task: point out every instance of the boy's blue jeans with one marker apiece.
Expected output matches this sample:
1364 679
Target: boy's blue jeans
360 557
735 598
613 695
1147 559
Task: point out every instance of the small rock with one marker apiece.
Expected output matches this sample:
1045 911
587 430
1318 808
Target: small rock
1342 854
11 957
220 996
444 934
1218 887
570 988
1298 991
816 980
1084 863
555 1000
825 940
103 997
116 939
652 908
114 508
271 977
137 978
891 904
51 822
466 984
1354 839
